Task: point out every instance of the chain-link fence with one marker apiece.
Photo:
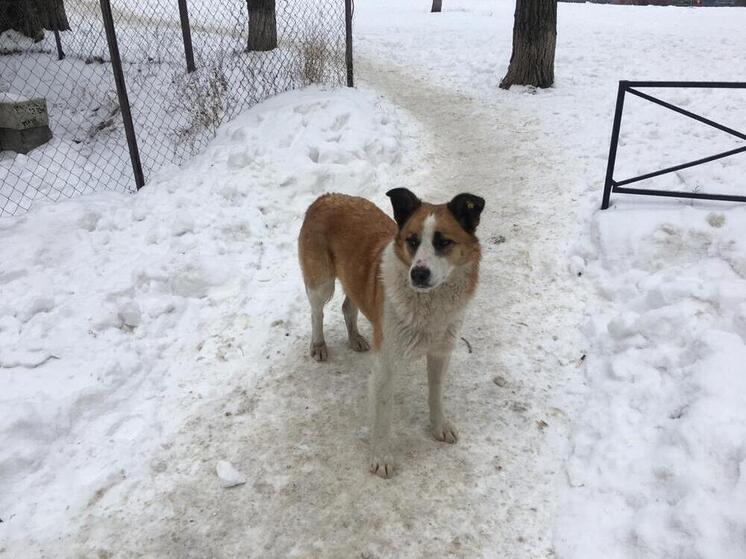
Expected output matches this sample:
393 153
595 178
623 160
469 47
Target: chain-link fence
175 112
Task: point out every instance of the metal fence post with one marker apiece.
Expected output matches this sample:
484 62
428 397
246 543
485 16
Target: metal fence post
124 103
608 184
60 52
349 9
57 39
186 32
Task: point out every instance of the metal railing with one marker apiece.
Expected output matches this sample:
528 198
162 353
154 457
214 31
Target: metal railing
633 88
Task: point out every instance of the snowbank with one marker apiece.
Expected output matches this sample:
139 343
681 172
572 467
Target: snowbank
88 151
658 447
658 466
119 314
657 452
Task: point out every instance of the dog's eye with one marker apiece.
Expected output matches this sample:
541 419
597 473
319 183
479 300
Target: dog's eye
440 242
413 242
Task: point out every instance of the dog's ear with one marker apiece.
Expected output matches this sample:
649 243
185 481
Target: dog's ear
466 208
404 203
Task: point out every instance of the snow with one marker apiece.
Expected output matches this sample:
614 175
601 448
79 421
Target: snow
7 97
88 151
121 314
600 389
659 450
229 475
655 463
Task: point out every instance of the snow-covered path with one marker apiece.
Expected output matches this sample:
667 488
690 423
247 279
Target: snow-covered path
299 434
523 325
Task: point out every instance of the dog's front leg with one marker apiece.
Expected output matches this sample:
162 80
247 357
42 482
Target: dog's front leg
380 401
437 365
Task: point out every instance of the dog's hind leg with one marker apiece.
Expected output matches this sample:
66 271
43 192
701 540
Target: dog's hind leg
318 297
357 342
318 276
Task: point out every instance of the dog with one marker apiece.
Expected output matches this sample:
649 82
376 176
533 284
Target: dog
411 277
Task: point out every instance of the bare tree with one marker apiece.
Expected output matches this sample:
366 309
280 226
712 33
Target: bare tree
262 25
534 39
32 17
437 4
52 14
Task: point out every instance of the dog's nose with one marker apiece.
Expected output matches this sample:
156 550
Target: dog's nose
420 276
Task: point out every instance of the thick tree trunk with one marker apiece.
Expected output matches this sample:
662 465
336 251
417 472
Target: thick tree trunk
32 17
534 39
437 4
262 25
52 15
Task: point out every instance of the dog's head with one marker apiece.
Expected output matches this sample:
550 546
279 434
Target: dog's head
435 239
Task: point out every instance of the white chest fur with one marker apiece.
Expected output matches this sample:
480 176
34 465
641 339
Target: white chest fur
417 323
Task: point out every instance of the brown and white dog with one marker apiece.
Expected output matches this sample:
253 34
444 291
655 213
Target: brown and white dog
411 277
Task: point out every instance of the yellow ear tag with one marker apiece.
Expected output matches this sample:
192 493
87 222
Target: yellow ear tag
470 205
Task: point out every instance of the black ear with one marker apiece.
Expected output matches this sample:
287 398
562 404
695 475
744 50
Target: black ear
466 209
404 203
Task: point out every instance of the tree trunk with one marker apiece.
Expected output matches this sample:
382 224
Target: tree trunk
52 15
32 17
262 25
534 39
437 4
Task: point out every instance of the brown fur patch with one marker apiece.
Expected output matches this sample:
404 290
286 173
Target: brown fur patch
464 250
343 237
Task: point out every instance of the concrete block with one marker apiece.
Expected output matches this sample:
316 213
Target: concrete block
23 141
20 114
24 123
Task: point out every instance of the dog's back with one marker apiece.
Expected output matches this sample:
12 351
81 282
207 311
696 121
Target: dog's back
343 237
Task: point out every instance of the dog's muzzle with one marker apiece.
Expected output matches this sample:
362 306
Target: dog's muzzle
420 276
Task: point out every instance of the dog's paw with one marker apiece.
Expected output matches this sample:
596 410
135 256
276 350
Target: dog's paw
358 343
319 351
382 466
446 432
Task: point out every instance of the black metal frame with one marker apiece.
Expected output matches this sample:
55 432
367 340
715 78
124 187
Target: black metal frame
124 102
632 87
186 33
349 13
